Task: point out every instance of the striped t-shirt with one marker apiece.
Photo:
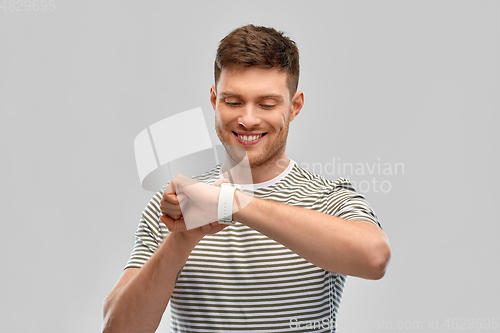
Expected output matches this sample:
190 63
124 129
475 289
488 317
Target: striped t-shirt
239 280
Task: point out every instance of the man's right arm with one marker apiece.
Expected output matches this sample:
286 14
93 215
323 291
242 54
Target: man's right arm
137 302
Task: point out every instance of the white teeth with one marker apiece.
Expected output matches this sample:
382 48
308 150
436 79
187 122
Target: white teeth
249 138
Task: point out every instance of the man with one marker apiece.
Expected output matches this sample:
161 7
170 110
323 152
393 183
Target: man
282 266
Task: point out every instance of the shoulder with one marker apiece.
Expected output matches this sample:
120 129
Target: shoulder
303 177
337 197
209 176
303 188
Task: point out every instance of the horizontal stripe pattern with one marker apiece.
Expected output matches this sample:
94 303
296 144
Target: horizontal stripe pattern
239 280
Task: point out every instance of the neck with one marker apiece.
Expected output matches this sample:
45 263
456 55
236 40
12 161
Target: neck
243 173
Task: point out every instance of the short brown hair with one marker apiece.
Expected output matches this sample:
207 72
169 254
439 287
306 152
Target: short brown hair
258 46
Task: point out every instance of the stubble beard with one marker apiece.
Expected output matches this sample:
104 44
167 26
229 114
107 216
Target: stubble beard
271 153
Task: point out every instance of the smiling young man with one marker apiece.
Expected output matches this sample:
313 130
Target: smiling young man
253 108
282 266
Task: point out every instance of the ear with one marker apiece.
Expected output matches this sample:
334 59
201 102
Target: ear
213 96
297 104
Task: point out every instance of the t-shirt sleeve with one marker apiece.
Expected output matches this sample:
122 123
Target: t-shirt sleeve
343 201
150 233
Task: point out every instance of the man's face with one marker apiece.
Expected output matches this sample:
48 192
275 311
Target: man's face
253 110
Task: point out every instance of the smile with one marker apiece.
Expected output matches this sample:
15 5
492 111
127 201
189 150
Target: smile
249 139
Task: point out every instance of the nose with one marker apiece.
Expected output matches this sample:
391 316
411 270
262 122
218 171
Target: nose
249 117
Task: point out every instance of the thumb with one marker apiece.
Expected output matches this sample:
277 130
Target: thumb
169 189
173 225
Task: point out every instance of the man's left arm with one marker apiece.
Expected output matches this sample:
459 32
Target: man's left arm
357 248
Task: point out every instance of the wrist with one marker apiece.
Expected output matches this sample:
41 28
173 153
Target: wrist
241 200
184 241
226 203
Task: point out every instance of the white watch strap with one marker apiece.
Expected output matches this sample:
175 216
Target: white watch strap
225 206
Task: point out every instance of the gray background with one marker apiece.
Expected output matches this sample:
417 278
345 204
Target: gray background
385 82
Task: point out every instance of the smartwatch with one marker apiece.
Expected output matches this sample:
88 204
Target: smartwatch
225 206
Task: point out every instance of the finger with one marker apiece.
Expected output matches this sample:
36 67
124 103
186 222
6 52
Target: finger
170 197
179 182
172 210
183 202
169 188
174 214
168 206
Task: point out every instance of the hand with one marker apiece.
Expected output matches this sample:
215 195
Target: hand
169 205
186 198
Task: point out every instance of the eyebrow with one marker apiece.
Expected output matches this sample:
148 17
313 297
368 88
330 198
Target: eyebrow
231 94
